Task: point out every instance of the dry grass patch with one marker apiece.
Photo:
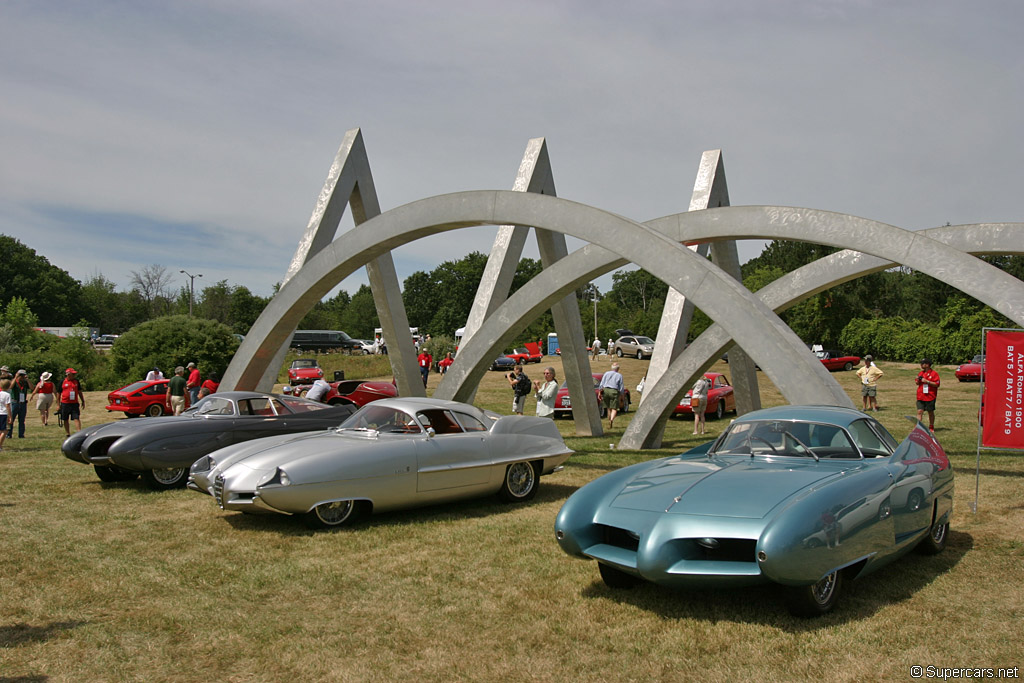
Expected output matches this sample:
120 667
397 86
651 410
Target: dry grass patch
112 582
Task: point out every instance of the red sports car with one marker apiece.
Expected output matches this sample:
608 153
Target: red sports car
971 372
833 360
720 397
141 398
563 404
304 371
530 354
358 393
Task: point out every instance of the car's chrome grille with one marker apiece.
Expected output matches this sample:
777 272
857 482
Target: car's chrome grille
218 490
620 538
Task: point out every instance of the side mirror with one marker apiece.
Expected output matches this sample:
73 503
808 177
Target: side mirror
431 433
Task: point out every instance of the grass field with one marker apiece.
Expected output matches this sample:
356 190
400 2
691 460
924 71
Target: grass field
111 582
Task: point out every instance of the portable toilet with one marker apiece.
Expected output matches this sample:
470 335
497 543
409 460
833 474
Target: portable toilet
552 343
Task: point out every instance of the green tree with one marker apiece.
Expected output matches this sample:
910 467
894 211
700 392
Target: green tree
360 316
171 341
48 290
111 311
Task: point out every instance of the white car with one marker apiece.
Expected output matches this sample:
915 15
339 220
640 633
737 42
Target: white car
368 346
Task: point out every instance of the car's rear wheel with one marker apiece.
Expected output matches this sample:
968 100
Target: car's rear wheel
155 410
618 352
520 482
164 479
720 410
935 542
111 474
616 578
625 405
816 599
331 515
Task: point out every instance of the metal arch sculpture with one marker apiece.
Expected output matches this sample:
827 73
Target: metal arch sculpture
646 427
591 261
721 296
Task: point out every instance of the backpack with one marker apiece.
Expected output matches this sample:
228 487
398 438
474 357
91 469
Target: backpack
523 385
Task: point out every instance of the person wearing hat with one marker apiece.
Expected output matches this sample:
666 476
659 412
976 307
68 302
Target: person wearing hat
71 396
20 392
43 393
869 375
927 389
194 383
5 407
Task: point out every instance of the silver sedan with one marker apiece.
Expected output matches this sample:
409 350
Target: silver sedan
391 454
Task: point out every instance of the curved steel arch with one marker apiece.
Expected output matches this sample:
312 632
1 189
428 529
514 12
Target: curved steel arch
586 263
718 294
644 430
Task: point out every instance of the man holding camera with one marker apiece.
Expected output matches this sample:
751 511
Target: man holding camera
521 388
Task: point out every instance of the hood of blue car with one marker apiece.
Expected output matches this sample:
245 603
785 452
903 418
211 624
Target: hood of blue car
722 487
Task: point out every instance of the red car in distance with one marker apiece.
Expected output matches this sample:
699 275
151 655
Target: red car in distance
971 372
359 393
720 398
304 371
141 398
563 404
529 354
833 360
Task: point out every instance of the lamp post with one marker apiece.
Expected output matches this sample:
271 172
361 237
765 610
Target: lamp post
191 288
593 292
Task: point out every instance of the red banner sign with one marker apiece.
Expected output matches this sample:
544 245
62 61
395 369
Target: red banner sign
1003 400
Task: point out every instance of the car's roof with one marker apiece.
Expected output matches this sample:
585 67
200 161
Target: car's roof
828 414
419 403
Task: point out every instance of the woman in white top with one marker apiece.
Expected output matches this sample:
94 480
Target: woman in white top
699 392
546 393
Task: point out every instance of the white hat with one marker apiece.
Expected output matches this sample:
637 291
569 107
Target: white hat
45 376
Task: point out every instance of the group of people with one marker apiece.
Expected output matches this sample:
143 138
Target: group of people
927 382
16 392
178 386
546 390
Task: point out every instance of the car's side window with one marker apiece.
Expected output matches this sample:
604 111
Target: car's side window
256 406
216 406
441 421
870 444
470 423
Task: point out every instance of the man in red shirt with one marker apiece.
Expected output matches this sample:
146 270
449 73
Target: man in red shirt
927 389
193 383
425 360
70 396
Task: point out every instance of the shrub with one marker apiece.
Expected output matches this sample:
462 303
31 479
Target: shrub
171 341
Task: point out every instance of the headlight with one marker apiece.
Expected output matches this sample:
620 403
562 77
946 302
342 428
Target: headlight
279 478
203 464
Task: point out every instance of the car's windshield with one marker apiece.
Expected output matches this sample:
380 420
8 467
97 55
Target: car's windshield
382 419
135 386
644 340
978 359
304 364
793 438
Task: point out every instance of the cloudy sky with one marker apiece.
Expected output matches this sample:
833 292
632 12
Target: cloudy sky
197 135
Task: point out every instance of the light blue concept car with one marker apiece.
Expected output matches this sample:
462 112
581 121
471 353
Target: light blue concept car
802 496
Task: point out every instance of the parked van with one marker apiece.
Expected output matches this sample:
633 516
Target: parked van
324 340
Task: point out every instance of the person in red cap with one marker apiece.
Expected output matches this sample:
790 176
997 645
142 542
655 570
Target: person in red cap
70 396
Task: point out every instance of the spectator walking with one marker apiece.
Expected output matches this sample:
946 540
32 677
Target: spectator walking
699 403
20 392
5 408
425 360
611 385
927 391
546 393
71 396
595 348
43 394
194 383
445 363
521 387
869 375
176 388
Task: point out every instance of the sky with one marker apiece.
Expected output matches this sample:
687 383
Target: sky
197 135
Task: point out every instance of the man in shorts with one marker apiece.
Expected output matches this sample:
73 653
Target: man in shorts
176 388
611 386
927 389
869 375
521 388
70 397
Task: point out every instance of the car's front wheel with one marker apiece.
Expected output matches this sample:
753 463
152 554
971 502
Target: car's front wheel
520 482
817 598
616 578
167 478
155 410
848 366
331 515
618 352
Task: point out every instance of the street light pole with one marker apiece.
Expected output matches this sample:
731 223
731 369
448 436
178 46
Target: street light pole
191 288
593 292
